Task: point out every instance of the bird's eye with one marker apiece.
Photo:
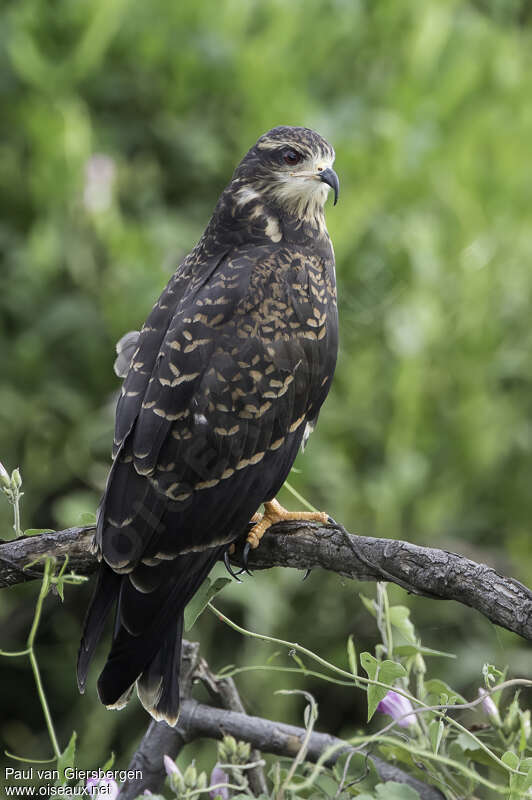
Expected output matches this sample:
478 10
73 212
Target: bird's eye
291 157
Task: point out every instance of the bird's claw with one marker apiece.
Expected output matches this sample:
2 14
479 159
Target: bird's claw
229 567
305 576
332 521
245 556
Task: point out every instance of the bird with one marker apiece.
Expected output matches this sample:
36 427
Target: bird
222 387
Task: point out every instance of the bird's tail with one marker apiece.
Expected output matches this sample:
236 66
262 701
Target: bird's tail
104 598
146 648
158 686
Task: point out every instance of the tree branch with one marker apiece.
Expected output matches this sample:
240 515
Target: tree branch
198 721
426 571
76 543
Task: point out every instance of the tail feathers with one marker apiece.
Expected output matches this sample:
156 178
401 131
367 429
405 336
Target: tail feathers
123 700
147 642
158 686
103 599
133 651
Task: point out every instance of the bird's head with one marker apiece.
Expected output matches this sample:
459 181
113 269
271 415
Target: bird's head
291 168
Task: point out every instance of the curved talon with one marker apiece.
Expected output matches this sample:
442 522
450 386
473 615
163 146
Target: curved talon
245 556
332 521
229 567
305 576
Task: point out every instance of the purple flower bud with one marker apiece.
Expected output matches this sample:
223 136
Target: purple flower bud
397 707
102 788
170 766
489 707
219 776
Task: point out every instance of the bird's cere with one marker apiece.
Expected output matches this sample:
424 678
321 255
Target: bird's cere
399 708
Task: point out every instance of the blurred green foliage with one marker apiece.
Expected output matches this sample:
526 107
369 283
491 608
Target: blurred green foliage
120 124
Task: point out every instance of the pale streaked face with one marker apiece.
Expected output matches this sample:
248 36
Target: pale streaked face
294 167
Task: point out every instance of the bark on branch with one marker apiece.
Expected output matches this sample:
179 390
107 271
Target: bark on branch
420 570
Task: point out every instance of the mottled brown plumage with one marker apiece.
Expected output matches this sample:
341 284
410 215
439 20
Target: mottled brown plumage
227 377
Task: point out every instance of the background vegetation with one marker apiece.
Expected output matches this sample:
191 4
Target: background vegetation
121 122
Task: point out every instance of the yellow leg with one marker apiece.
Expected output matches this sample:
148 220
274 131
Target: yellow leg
274 512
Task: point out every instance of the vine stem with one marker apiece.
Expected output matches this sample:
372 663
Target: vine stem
16 514
45 585
422 707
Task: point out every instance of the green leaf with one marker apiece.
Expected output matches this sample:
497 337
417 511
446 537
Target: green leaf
455 752
510 759
87 518
352 656
400 619
437 688
370 605
326 784
66 759
395 791
204 595
389 671
360 770
519 784
37 531
467 743
413 649
369 664
109 763
384 671
436 729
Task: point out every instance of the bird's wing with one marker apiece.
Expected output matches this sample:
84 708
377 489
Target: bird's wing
210 418
217 429
142 362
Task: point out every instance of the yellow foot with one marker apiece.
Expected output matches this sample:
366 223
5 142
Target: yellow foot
274 512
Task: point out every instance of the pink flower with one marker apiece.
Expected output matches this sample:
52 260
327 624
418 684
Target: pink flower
219 776
175 778
399 708
489 707
102 788
170 766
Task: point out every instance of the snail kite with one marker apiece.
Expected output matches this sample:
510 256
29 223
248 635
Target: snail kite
222 386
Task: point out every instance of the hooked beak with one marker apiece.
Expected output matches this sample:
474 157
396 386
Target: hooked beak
330 177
